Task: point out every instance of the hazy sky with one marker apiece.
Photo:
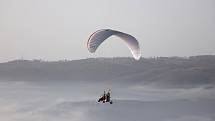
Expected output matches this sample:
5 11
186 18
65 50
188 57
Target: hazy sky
58 29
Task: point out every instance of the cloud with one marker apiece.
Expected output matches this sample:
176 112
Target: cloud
192 118
121 110
201 92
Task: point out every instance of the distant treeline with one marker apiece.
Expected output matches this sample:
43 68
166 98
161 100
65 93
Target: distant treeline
178 71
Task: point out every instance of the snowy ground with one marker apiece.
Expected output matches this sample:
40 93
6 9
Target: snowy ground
69 101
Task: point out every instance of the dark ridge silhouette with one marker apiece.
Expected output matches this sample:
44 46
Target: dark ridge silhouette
169 72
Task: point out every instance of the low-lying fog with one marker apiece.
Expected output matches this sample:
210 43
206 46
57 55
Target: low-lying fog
27 101
136 100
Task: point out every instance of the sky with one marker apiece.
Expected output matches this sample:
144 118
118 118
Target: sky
58 29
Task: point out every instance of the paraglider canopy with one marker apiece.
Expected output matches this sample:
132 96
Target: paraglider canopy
100 36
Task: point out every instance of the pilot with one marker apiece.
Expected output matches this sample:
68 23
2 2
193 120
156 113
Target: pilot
103 98
108 96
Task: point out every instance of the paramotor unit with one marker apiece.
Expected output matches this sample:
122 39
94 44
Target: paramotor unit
98 37
106 97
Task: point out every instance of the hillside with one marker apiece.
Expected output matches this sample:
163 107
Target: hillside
162 71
